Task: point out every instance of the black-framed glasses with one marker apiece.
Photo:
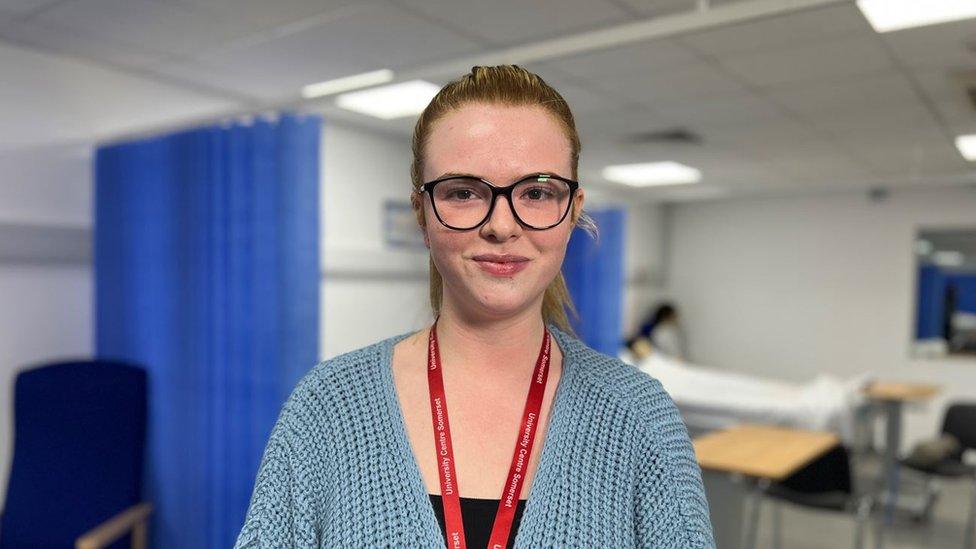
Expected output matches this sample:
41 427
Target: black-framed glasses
538 201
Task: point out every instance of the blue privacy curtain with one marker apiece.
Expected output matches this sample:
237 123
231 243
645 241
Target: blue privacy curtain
207 273
594 272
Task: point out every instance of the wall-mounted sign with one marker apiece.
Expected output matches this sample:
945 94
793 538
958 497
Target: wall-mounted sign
400 228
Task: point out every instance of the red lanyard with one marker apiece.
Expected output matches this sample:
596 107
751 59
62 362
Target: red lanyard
445 451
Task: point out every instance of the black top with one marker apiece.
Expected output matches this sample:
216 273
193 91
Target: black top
479 517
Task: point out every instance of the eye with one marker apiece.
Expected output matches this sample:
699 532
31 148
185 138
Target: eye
460 191
538 193
460 194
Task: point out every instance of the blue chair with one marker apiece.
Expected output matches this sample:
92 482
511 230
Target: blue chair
79 441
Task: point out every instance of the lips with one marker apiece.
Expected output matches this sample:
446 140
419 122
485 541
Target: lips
500 258
501 264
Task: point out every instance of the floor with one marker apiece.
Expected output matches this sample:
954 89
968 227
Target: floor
811 529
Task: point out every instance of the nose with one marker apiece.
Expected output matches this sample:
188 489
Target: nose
501 224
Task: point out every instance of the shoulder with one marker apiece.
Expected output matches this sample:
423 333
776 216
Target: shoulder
622 383
665 467
358 371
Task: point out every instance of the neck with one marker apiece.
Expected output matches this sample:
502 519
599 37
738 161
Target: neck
490 345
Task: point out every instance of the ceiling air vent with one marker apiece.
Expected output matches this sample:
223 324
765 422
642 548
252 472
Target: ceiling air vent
674 136
966 80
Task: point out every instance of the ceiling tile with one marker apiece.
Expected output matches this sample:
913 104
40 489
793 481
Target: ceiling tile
855 123
835 59
261 81
942 85
945 46
659 8
612 126
151 25
691 81
959 116
355 41
881 92
360 38
735 108
77 44
913 161
791 30
581 98
766 136
262 13
828 168
639 58
25 7
799 146
509 22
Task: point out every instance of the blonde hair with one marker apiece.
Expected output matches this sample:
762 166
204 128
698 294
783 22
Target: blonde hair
508 85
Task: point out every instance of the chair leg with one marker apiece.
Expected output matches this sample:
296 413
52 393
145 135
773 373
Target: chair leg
861 520
968 541
777 525
139 535
879 529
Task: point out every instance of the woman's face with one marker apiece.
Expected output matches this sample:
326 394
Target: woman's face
501 144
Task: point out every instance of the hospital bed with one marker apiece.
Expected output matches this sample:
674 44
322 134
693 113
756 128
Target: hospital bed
709 398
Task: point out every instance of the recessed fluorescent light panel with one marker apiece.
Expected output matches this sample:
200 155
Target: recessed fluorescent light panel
923 247
967 146
946 258
347 83
389 102
892 15
652 173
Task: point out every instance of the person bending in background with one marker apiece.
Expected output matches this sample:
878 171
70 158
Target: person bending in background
455 433
661 332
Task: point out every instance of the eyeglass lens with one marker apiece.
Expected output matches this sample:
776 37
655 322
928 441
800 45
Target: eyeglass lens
464 202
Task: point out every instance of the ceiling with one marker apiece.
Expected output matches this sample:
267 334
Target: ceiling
806 101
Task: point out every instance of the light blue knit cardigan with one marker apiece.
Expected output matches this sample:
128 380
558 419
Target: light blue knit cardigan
617 467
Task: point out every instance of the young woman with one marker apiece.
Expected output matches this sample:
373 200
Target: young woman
494 427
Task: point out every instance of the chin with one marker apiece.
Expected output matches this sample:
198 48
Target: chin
500 304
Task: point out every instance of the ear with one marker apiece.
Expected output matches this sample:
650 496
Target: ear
416 200
578 205
577 211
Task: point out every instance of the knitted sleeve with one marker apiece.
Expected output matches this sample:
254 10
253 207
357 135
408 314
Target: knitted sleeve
671 509
281 514
269 517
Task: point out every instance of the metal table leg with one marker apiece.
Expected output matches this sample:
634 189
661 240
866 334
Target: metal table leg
892 445
752 528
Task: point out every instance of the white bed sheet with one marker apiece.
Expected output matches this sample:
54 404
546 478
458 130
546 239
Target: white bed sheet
709 398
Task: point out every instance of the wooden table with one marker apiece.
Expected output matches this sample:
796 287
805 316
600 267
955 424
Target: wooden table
763 453
892 396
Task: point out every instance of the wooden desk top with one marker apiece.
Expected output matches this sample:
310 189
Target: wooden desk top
900 391
761 451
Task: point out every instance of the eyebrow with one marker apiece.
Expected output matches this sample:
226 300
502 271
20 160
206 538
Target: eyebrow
463 174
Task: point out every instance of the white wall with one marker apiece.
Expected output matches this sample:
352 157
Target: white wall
46 98
789 287
645 259
45 309
369 290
